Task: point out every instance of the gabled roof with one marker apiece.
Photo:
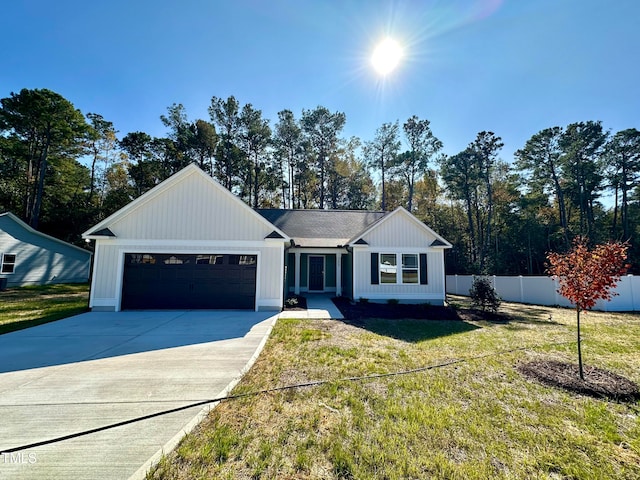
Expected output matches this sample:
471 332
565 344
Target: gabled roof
438 242
98 231
30 229
321 228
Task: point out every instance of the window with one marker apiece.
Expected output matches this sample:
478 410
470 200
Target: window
409 268
409 272
173 260
209 259
388 268
8 263
242 259
141 258
146 258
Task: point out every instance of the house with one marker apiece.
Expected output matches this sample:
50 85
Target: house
29 257
190 243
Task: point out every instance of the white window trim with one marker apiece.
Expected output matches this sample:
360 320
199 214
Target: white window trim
13 264
399 268
417 268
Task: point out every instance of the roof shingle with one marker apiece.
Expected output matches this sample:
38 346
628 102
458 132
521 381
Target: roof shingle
321 228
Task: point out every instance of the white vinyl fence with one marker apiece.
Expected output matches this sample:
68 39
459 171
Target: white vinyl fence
543 291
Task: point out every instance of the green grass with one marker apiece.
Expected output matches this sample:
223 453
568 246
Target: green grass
30 306
479 419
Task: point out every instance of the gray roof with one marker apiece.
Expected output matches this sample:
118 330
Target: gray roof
321 228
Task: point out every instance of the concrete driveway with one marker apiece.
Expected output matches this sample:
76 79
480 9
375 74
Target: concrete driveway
97 369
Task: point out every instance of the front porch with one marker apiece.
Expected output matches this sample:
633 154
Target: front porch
319 270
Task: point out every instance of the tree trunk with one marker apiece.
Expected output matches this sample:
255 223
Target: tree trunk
614 224
37 204
579 347
471 229
384 193
561 206
624 210
94 161
256 184
411 183
322 182
292 191
487 238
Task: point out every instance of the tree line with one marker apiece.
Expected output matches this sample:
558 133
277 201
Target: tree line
62 171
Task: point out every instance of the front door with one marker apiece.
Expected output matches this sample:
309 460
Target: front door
316 273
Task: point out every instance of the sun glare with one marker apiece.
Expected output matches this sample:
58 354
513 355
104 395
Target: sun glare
386 56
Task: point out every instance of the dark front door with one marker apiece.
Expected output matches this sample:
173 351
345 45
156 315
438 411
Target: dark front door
316 273
177 281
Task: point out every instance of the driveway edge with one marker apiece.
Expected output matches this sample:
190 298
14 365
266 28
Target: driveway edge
146 467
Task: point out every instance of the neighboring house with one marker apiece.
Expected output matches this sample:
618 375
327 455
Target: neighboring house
190 243
29 257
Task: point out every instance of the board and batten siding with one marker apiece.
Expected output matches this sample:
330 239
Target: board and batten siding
106 290
433 292
191 210
41 259
399 234
188 213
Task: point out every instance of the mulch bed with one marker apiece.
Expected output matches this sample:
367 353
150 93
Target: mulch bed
597 383
360 310
300 303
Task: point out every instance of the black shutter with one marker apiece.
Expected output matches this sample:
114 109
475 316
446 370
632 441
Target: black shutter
423 269
375 269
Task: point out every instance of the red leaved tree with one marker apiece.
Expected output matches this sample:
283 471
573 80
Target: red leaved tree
588 275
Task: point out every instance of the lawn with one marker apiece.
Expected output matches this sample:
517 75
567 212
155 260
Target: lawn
30 306
476 419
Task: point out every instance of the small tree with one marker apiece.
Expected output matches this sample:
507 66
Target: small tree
588 275
484 296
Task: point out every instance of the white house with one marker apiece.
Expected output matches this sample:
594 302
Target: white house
190 243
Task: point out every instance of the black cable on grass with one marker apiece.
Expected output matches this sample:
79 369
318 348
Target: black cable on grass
270 390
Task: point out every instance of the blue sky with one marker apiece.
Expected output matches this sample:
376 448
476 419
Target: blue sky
510 66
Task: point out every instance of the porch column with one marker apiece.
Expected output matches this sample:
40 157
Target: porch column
338 274
296 287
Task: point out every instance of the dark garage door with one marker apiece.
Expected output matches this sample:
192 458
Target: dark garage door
174 281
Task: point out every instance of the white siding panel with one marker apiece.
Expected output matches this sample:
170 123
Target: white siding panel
398 231
271 273
433 291
193 209
271 278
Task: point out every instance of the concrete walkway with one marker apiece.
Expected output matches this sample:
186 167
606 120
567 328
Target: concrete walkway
97 369
319 305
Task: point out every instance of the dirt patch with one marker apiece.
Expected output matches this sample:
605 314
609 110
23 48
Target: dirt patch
476 315
597 383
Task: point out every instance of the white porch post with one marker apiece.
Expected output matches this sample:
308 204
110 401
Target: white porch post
338 274
297 274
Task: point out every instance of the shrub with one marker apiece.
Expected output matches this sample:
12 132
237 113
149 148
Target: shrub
393 301
484 296
291 302
363 300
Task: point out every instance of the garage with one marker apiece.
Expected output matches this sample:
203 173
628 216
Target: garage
189 281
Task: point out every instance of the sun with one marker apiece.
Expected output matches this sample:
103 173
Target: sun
386 56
